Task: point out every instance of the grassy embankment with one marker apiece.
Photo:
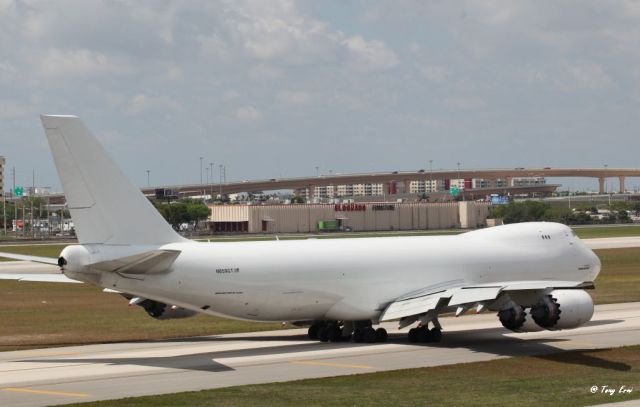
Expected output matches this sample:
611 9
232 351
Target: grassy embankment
54 314
562 379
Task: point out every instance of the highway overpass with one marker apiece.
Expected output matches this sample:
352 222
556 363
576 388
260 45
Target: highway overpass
275 184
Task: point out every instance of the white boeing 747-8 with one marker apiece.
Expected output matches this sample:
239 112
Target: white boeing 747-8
532 274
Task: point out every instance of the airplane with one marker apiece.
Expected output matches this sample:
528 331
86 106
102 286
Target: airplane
533 275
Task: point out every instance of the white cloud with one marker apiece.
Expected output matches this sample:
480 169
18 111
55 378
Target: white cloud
294 98
63 62
464 103
248 113
434 73
369 55
11 109
143 103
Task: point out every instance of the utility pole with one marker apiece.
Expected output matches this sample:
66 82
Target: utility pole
431 176
211 186
4 212
148 178
201 158
459 181
220 184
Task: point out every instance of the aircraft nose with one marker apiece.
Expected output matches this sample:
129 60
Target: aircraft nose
594 262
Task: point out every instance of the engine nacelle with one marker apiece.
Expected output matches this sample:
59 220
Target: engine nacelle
517 319
159 310
563 309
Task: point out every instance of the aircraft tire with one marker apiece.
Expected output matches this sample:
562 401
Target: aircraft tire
436 335
381 335
413 335
369 335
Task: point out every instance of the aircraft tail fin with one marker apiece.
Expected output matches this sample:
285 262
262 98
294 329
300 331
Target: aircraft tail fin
106 207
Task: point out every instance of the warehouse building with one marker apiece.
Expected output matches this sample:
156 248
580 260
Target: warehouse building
356 217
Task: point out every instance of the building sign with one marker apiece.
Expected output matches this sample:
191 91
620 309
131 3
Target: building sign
350 207
383 207
499 200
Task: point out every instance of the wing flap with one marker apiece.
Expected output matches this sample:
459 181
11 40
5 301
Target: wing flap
414 306
472 295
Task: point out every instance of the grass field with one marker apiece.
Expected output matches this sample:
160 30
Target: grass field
590 232
584 232
563 379
55 314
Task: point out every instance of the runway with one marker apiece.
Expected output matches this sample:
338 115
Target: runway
94 372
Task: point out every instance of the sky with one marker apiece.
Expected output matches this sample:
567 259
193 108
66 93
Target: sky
275 88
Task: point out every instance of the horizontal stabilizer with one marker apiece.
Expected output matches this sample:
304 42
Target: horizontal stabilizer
152 262
43 278
36 259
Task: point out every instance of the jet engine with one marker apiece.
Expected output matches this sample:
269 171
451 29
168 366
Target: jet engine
517 319
563 309
159 310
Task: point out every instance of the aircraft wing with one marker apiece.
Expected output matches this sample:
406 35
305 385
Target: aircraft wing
36 259
43 278
55 276
431 300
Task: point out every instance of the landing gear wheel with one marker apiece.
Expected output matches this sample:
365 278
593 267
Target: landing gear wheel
336 333
369 335
358 335
436 335
413 335
424 335
313 332
323 333
381 335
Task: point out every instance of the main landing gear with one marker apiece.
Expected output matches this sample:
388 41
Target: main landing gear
337 331
425 335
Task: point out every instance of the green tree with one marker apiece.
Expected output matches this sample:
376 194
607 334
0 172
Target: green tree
198 211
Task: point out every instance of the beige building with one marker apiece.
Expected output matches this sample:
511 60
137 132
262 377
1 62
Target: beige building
2 161
358 217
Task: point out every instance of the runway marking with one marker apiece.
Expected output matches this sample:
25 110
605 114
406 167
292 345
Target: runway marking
316 363
45 392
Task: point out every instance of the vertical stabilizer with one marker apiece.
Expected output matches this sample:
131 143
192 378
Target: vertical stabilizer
105 206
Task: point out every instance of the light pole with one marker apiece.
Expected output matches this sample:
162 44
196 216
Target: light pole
211 186
431 188
605 178
148 178
201 158
458 164
220 185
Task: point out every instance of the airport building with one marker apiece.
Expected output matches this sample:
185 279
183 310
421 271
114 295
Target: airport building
357 217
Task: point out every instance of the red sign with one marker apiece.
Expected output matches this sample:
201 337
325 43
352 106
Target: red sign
350 207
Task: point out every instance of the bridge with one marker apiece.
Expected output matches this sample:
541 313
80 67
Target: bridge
274 184
386 178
